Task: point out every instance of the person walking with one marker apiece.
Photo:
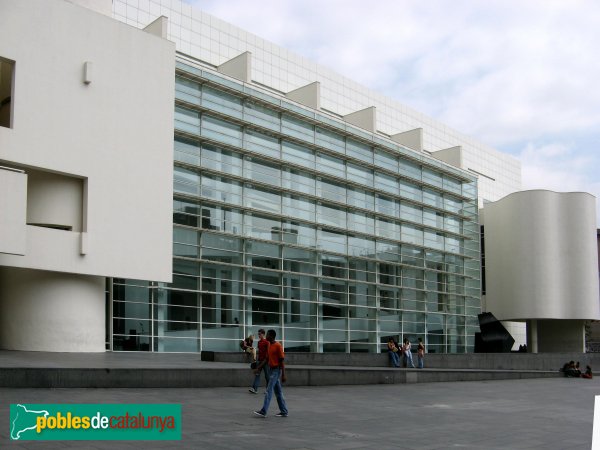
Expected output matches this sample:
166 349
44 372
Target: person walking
262 362
420 353
408 354
276 377
393 352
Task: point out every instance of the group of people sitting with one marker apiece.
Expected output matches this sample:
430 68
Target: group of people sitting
571 369
395 351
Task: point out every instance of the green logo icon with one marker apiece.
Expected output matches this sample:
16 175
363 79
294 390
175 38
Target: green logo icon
95 422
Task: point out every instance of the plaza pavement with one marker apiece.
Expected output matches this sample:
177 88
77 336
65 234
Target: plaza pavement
545 413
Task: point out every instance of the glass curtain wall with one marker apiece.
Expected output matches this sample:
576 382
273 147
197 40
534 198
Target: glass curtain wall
284 218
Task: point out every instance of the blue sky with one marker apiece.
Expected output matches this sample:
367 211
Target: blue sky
517 75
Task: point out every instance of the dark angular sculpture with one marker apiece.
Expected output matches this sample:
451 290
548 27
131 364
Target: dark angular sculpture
493 337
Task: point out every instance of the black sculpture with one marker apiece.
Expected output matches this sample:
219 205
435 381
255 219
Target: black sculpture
493 337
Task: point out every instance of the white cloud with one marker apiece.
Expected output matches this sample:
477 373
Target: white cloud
559 167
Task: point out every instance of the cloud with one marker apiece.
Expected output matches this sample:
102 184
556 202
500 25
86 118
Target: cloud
560 167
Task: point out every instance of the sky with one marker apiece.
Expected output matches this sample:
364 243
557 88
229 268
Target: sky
520 76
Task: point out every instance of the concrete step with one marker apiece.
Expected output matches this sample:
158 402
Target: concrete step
240 376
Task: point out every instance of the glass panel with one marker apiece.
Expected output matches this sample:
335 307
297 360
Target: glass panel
332 241
434 239
221 189
388 251
262 227
262 171
261 254
299 260
263 199
185 89
331 189
298 180
299 207
220 218
297 128
298 233
258 142
186 212
360 198
359 174
330 140
436 341
387 205
410 190
410 169
187 120
361 222
222 160
186 181
412 234
331 215
334 266
360 246
221 130
411 212
433 198
413 278
296 154
187 151
433 218
331 165
388 229
432 177
453 185
221 101
387 183
221 248
359 150
261 115
386 160
412 256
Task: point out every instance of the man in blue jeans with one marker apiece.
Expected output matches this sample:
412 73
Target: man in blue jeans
276 377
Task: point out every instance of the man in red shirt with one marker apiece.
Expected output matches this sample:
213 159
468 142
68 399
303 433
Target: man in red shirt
262 363
276 377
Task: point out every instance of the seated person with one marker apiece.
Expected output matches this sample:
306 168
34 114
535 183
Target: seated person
247 347
587 373
570 370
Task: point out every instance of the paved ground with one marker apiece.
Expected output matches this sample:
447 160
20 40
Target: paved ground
515 414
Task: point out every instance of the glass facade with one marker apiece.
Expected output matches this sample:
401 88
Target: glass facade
287 218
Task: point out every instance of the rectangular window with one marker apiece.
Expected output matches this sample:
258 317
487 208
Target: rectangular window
7 68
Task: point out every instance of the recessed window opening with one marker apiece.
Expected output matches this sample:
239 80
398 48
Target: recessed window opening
6 92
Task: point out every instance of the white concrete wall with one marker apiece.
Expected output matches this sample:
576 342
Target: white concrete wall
113 135
541 256
13 211
50 311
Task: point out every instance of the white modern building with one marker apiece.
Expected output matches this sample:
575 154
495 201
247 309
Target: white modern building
290 197
86 178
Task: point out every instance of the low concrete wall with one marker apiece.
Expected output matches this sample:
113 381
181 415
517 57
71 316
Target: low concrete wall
482 361
242 377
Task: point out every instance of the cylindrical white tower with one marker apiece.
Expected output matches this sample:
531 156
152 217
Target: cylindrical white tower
541 264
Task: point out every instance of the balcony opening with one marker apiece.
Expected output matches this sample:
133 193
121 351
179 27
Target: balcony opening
6 92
